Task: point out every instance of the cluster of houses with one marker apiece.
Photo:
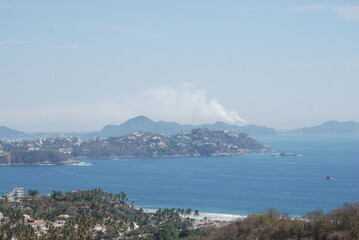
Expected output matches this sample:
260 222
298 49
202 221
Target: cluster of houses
62 144
42 226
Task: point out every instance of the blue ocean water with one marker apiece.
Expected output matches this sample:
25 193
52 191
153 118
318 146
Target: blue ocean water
234 185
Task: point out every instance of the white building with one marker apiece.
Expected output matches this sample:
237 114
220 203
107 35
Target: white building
59 223
16 194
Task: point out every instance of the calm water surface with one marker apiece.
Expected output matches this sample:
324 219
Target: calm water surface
236 185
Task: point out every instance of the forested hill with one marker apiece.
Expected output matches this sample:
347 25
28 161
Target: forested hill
39 157
197 142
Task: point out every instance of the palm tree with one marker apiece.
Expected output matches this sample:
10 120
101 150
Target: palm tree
56 195
182 211
189 211
196 213
123 197
33 192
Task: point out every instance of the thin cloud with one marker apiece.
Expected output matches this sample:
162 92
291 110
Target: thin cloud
41 44
306 7
301 66
27 5
134 32
354 61
12 42
184 104
324 60
350 12
189 43
64 46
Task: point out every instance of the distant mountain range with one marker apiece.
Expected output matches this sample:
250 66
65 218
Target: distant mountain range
144 124
331 127
8 133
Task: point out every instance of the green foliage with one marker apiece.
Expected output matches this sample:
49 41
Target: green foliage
87 209
340 224
33 192
90 208
165 234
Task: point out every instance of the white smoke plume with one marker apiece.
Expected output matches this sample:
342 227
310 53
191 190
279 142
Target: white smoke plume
184 104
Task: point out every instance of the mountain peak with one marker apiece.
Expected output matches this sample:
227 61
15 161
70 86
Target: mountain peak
140 119
144 124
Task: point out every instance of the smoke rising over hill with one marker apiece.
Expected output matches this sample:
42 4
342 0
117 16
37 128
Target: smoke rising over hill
183 104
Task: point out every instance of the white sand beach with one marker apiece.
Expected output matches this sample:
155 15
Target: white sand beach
203 216
217 217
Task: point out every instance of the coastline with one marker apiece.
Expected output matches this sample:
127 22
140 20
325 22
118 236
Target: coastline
70 162
208 217
245 152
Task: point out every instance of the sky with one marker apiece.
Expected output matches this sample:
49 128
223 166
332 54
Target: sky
79 65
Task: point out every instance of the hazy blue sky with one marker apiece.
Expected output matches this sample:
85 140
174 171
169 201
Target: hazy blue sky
78 65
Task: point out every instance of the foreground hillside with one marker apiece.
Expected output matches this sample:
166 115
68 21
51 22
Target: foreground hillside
96 214
90 214
197 142
339 224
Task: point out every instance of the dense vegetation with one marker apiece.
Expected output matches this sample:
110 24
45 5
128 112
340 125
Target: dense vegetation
90 214
339 224
95 214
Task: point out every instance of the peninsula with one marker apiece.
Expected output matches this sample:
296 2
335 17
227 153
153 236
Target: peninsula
197 142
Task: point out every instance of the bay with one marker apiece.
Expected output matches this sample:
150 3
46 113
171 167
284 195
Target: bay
232 185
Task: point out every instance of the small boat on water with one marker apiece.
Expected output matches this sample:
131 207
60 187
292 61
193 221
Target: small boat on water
284 154
329 178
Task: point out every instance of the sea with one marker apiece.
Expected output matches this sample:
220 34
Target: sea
238 185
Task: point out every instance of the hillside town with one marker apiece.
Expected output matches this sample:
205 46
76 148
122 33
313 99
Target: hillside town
62 150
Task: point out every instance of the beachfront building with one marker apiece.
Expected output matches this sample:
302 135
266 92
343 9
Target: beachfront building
16 194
